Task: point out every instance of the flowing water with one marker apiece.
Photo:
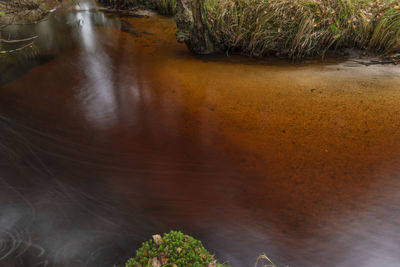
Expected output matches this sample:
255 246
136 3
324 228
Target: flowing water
111 131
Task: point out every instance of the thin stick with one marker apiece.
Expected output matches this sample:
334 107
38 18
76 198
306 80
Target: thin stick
18 40
16 50
264 257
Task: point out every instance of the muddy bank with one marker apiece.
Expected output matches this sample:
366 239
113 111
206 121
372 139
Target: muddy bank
22 41
26 11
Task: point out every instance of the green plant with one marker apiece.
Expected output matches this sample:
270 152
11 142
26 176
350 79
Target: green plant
174 249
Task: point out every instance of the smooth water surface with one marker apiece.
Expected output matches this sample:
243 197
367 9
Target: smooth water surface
122 133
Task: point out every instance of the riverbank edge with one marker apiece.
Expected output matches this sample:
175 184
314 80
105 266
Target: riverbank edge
199 28
131 7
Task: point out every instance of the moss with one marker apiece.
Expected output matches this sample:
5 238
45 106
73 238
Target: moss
174 249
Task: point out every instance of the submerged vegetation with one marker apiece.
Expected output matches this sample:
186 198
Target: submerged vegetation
174 249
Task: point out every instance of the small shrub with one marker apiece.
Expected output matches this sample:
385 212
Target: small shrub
174 249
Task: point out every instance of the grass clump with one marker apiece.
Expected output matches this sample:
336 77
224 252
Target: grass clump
164 7
174 249
299 28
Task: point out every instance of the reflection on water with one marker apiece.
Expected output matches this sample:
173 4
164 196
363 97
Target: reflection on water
98 97
55 34
124 133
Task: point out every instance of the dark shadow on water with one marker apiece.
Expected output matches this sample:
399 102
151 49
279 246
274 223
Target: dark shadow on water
42 206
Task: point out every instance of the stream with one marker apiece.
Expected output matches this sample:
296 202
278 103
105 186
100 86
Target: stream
111 131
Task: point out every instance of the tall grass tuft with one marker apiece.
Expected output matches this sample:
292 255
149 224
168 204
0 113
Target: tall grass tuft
164 7
299 28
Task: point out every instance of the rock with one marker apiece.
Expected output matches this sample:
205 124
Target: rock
213 263
157 239
191 29
163 258
155 262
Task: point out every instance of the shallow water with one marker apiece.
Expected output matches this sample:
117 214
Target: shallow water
122 133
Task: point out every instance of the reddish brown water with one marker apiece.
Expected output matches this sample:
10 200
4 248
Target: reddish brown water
124 134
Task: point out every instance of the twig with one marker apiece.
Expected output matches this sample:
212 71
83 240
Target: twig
18 40
16 50
264 257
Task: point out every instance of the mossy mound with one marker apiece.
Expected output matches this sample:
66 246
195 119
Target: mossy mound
174 249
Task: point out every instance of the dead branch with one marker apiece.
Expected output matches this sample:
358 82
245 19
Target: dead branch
16 49
18 40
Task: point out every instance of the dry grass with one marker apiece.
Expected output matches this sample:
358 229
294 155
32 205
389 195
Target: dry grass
264 257
299 28
164 7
